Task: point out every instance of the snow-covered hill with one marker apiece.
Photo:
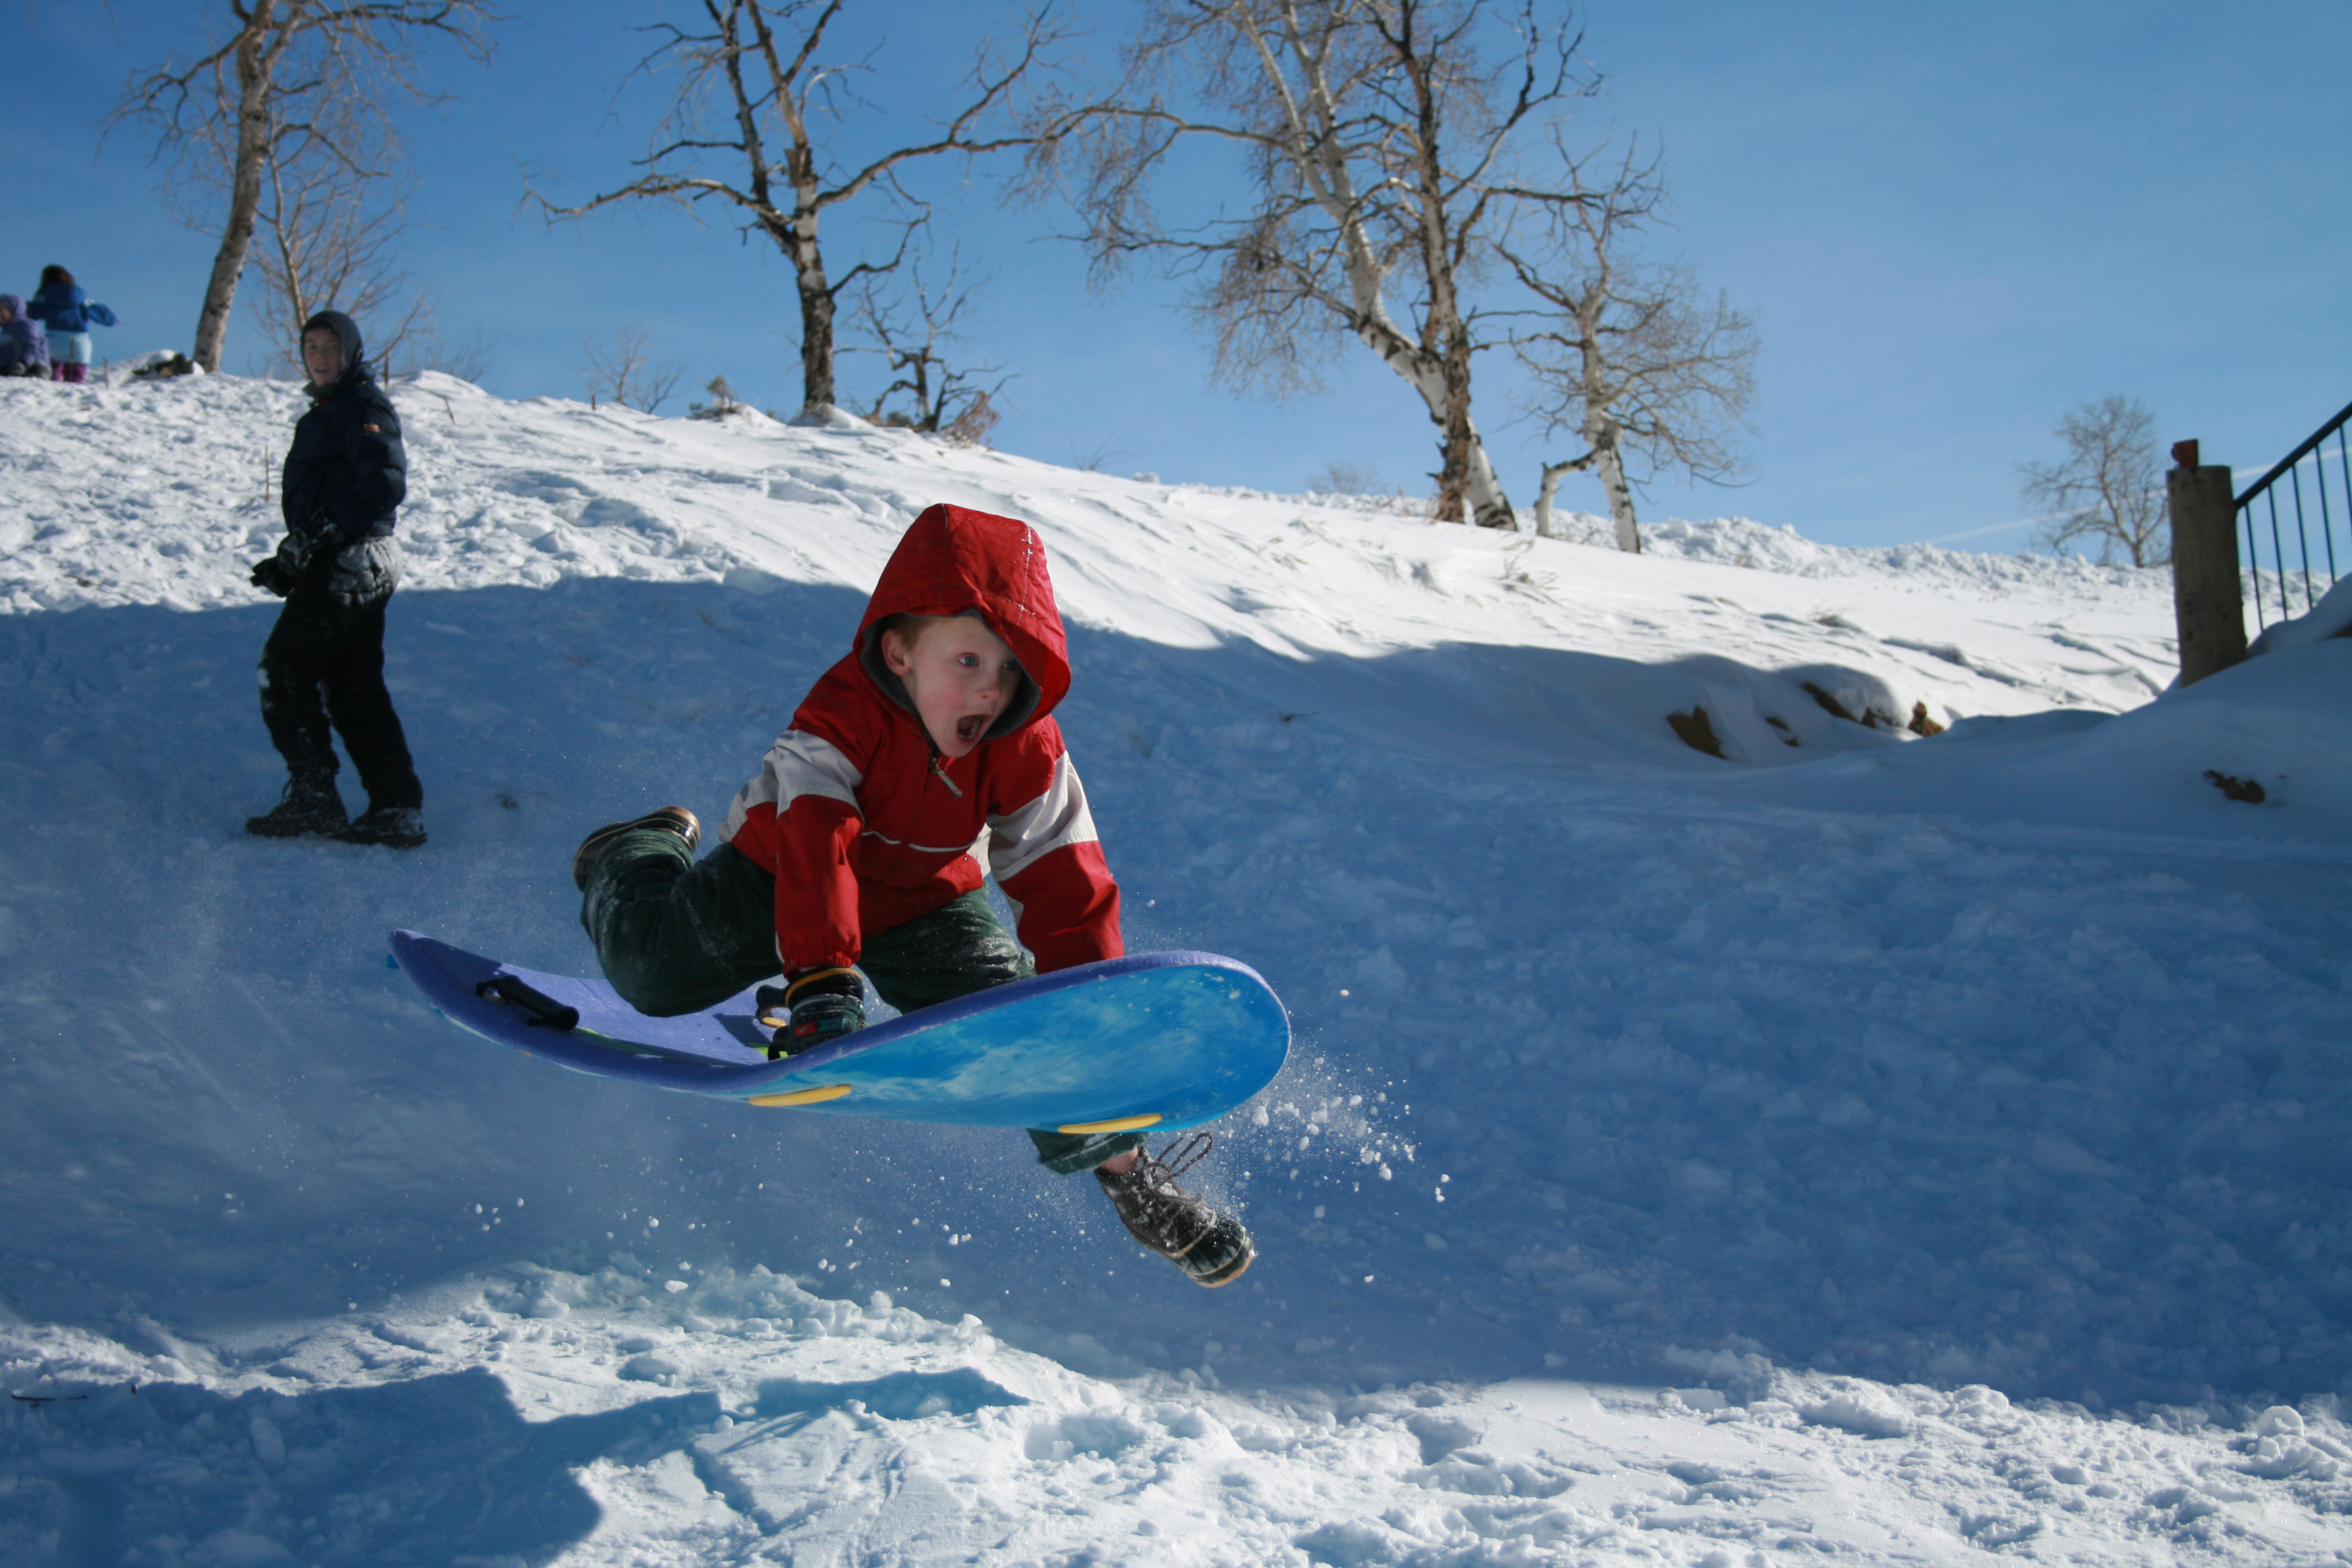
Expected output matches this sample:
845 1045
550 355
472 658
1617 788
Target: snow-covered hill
1858 1142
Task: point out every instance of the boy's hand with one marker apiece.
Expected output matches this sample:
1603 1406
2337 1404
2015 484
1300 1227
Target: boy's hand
280 573
366 572
820 1005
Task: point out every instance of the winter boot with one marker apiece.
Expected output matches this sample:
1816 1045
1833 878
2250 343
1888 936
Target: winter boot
1211 1249
675 818
309 805
393 826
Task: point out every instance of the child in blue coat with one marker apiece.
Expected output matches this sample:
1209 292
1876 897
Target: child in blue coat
69 313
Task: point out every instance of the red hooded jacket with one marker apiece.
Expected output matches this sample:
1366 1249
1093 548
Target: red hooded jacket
866 826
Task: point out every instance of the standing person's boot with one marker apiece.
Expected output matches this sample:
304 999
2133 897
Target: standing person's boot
393 826
1212 1248
311 803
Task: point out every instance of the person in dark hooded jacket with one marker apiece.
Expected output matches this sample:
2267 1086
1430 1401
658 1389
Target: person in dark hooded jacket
322 667
925 761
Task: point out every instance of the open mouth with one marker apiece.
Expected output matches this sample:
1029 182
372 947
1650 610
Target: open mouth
972 726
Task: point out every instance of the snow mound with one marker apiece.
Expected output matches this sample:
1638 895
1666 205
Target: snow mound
2330 617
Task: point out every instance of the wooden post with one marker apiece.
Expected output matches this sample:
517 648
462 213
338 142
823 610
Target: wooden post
2208 604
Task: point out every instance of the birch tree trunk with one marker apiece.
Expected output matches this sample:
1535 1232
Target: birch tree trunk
1466 462
1552 474
1604 433
816 326
1467 474
797 232
256 59
816 292
1467 479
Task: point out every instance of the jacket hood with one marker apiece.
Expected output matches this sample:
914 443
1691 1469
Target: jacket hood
15 304
347 332
955 561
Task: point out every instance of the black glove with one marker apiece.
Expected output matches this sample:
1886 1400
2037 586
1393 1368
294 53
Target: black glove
364 572
821 1004
278 573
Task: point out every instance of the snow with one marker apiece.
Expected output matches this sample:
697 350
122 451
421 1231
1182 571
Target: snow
1902 1148
2327 617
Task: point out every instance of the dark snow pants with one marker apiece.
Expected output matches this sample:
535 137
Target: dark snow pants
676 935
322 667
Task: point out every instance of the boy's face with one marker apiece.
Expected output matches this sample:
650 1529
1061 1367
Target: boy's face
960 677
323 355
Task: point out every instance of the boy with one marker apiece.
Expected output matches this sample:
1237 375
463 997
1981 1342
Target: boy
920 762
345 476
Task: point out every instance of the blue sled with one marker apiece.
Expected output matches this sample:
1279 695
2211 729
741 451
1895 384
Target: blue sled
1157 1041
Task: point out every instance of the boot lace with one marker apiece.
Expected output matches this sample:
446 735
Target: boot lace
1160 1214
1180 1156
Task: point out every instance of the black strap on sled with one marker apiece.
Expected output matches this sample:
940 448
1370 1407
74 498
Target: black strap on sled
546 1012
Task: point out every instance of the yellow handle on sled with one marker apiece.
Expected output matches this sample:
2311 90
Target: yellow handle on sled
817 1096
1116 1124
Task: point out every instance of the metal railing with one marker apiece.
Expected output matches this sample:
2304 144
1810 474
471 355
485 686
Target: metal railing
2265 496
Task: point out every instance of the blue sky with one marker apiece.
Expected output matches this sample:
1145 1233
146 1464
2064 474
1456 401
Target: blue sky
1951 221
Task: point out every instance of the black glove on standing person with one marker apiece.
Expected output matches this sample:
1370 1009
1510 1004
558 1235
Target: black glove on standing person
277 573
365 571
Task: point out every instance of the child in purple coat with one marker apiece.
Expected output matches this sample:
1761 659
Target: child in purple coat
24 347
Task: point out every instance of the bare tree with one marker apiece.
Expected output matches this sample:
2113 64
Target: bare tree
424 347
2107 486
750 92
724 401
291 80
1633 358
624 369
975 424
914 350
332 212
1340 477
1379 140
